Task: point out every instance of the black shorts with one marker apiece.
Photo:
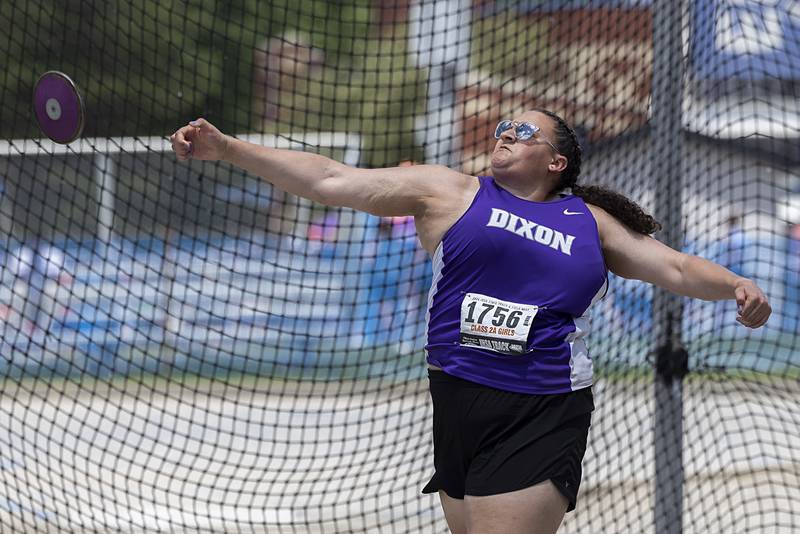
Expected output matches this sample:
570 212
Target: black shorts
487 441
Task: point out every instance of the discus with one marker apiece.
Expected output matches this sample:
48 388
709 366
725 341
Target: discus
58 106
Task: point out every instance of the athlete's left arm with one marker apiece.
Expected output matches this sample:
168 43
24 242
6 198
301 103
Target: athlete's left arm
630 254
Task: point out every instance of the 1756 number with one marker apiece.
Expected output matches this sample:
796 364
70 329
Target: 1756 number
501 317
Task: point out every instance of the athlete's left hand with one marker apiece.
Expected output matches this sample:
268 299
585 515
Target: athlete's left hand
753 308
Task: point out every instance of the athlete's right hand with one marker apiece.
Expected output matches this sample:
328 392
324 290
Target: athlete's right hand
199 140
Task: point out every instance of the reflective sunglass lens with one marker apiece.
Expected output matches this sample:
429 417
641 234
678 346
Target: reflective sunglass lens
502 126
525 131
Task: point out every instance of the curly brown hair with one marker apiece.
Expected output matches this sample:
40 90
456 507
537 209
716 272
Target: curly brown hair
618 205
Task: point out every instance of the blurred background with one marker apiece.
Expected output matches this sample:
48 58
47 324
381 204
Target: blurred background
126 275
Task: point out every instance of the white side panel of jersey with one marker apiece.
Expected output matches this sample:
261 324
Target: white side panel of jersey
580 364
437 263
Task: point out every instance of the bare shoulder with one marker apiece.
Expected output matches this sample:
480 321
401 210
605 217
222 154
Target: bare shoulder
443 189
604 221
448 182
430 184
614 234
434 194
599 213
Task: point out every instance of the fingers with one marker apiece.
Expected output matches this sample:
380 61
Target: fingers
200 123
757 318
181 142
198 140
753 307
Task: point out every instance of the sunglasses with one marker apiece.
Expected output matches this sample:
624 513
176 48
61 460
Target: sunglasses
522 130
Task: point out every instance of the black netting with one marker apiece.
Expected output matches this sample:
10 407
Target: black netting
186 348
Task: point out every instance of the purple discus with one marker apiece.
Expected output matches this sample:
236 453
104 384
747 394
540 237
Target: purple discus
58 106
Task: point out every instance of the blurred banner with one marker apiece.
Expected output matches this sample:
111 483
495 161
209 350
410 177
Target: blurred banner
747 40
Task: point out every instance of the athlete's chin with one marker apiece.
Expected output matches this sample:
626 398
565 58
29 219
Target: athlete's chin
499 161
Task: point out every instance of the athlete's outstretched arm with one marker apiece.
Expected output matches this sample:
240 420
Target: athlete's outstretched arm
632 255
392 191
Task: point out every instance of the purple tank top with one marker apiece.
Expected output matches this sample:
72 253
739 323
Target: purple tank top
513 281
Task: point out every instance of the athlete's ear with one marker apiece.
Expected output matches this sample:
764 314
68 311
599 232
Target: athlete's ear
558 164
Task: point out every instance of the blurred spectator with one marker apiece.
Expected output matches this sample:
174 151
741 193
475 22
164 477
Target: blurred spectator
389 304
280 62
282 65
389 288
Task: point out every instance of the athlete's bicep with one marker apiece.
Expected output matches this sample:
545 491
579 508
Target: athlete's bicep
390 191
630 254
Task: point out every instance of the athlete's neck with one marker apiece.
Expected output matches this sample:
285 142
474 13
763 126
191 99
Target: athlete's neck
532 192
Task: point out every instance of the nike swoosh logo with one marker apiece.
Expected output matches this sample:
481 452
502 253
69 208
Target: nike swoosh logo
567 212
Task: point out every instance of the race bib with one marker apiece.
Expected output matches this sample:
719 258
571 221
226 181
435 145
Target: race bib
496 325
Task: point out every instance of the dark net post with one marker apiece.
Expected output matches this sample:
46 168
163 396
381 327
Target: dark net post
670 355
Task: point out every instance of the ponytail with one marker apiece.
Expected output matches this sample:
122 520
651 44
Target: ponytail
628 212
618 205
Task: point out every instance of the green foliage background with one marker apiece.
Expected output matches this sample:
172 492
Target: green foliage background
145 67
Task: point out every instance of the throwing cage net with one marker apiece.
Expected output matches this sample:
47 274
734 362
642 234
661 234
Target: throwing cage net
185 348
